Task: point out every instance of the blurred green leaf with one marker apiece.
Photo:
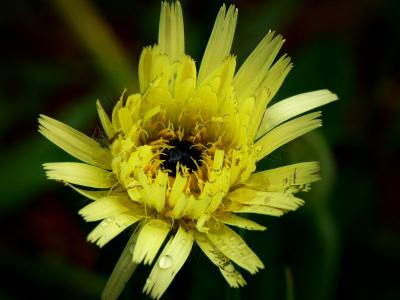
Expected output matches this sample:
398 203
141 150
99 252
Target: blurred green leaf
97 37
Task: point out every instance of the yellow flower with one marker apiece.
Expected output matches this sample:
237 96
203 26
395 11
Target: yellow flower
182 153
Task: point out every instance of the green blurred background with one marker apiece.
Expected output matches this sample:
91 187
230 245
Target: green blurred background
57 57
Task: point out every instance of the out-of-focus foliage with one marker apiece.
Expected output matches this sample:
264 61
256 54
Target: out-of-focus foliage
58 57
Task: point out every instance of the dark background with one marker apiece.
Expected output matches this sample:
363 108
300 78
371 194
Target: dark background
57 57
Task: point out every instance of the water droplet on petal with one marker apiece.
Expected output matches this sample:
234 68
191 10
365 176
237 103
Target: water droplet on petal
165 262
229 268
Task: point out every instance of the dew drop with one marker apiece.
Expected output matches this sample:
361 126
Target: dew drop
229 268
165 262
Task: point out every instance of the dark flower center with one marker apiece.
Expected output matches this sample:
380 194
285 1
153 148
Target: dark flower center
183 152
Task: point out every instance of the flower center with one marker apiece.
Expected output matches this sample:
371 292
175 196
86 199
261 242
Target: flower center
182 152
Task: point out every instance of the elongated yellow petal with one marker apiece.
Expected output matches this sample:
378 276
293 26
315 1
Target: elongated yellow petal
74 142
256 66
234 220
125 120
281 200
105 121
287 132
158 190
280 179
233 246
115 116
220 42
154 69
237 207
169 263
276 75
292 107
224 264
177 189
111 227
94 195
185 81
182 205
151 237
267 90
123 270
110 206
171 32
154 192
80 174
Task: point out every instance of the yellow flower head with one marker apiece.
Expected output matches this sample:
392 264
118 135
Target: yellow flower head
182 152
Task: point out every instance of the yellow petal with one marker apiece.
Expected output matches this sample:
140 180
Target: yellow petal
233 246
115 116
169 263
220 42
94 195
293 106
267 90
280 179
217 190
123 270
276 75
181 206
224 264
239 162
185 81
125 120
110 206
234 220
153 192
287 132
158 191
133 104
105 121
256 66
80 174
237 207
154 69
74 142
177 189
151 113
261 101
151 237
220 79
111 227
281 200
171 36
